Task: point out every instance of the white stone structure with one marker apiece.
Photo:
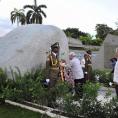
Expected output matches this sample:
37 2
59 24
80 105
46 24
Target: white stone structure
26 47
107 51
74 43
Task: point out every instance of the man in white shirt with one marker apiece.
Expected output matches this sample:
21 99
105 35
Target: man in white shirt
77 73
115 78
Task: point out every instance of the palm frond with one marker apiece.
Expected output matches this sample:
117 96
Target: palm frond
12 12
13 18
28 16
42 6
39 19
23 20
34 18
21 10
30 12
29 6
44 14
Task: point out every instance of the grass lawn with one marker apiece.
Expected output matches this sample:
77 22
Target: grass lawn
9 111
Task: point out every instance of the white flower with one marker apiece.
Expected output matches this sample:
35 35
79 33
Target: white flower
97 77
47 80
110 83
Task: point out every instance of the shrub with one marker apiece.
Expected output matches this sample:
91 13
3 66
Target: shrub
111 108
91 108
29 87
3 79
19 88
104 76
71 108
90 89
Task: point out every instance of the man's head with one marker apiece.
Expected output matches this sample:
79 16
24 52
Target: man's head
55 47
72 55
89 52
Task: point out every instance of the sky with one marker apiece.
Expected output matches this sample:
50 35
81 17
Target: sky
82 14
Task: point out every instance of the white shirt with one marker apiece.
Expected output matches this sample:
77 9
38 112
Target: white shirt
54 54
115 78
83 63
76 68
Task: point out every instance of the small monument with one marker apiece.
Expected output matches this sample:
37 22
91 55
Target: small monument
107 51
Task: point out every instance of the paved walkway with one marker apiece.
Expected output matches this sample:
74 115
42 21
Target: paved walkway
103 91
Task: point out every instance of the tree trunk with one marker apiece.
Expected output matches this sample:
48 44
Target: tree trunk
35 2
17 22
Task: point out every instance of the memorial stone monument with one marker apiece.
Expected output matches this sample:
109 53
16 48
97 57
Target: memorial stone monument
26 47
107 51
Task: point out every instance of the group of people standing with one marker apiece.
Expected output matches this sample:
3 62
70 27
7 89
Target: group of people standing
75 73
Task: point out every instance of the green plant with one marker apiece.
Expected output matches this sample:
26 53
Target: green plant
29 87
21 87
3 77
104 76
102 31
50 95
90 89
74 33
71 108
91 108
19 16
9 111
3 80
111 108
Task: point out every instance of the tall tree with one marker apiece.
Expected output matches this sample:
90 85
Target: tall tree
115 32
35 14
102 31
18 16
74 32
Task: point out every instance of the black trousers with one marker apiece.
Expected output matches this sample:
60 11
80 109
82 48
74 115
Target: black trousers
79 86
116 88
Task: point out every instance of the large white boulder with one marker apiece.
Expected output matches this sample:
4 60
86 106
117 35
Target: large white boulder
26 47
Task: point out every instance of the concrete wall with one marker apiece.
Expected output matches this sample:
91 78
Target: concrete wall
106 52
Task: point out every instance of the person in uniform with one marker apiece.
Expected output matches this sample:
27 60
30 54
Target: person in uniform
52 65
88 65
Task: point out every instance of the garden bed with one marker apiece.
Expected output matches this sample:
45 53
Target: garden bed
38 108
30 88
10 111
42 109
55 111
